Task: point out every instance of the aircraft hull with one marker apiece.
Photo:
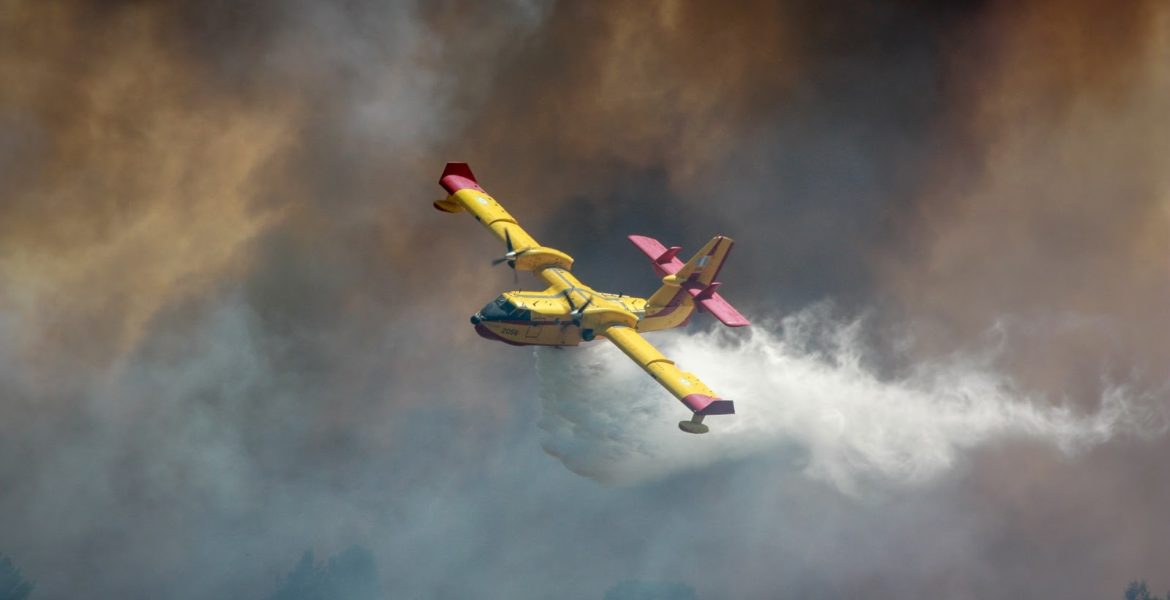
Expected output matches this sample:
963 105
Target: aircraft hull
530 334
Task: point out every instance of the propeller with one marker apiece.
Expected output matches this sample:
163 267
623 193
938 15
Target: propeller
575 311
510 256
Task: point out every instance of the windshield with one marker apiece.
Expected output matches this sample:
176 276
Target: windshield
503 309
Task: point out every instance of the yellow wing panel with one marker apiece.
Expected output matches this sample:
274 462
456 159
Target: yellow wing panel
465 194
491 215
683 385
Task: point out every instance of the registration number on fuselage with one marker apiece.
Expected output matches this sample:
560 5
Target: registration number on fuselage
510 331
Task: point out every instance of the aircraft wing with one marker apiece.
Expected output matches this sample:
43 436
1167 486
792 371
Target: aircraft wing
523 251
683 385
465 194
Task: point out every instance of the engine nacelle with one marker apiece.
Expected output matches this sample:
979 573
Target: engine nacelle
542 257
600 318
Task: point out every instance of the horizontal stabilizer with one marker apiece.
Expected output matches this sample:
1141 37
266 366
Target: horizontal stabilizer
664 260
718 307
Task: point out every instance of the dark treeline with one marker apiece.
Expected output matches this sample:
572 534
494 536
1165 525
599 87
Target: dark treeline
1137 590
13 585
353 575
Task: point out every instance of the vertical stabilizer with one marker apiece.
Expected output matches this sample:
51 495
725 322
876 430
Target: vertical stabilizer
705 265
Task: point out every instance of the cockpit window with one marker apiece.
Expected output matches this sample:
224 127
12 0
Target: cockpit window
503 309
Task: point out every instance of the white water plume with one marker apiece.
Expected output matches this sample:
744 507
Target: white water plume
835 418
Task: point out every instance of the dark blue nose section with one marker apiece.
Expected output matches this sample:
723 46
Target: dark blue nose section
475 319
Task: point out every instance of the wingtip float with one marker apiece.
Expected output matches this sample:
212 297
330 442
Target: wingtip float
569 312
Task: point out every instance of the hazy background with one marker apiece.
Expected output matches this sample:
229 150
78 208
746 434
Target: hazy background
233 328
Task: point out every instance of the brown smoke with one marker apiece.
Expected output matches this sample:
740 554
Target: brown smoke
129 182
1055 220
215 229
622 85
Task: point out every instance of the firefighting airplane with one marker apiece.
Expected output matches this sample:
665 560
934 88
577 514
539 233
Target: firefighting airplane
569 312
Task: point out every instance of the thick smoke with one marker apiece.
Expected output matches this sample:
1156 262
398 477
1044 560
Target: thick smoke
233 329
806 393
1058 224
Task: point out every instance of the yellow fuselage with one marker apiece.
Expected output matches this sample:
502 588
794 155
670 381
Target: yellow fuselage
568 312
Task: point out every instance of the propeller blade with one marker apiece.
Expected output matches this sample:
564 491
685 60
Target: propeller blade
509 256
577 312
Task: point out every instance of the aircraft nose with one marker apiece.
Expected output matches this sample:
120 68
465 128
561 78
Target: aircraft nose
475 319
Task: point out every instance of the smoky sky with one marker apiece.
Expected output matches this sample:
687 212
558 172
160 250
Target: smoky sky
234 329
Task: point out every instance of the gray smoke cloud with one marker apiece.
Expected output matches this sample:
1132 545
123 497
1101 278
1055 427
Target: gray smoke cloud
233 329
